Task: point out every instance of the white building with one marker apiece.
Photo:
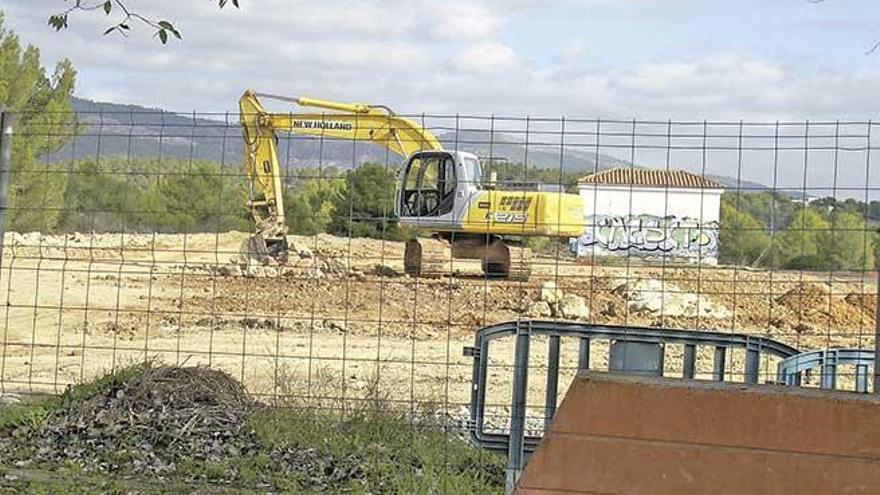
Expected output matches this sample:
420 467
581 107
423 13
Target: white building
669 214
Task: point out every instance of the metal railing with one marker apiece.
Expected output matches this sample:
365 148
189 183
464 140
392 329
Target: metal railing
828 361
632 349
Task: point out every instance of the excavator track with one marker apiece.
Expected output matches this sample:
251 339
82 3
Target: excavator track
506 260
427 258
520 267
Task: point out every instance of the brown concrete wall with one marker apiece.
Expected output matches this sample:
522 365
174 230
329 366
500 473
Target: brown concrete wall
622 435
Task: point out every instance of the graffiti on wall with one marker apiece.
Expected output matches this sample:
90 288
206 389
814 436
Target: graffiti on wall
649 234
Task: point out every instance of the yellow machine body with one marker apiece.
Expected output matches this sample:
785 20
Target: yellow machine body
525 213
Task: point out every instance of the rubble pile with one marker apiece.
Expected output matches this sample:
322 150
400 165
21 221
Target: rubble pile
815 308
656 297
148 423
553 302
301 262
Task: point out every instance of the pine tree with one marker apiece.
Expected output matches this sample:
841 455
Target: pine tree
848 244
798 246
44 123
742 238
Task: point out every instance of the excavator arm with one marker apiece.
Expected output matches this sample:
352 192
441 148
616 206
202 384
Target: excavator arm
342 121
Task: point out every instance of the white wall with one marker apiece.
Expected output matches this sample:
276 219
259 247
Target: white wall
650 222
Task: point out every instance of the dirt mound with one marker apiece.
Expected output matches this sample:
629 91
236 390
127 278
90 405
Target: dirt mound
145 420
805 295
816 308
865 302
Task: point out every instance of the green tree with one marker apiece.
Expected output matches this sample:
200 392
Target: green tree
44 123
311 199
98 197
366 203
742 239
798 246
510 173
196 197
774 210
848 244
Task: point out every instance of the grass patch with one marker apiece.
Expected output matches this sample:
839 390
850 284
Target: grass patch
153 429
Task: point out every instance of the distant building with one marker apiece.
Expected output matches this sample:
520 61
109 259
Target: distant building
648 213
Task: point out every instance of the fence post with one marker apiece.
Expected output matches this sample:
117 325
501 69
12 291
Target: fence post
515 450
552 380
753 363
690 361
5 170
719 364
877 334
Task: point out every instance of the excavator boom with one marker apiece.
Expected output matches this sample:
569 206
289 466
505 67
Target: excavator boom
343 121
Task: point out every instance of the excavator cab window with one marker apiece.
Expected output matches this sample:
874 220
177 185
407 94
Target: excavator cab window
429 185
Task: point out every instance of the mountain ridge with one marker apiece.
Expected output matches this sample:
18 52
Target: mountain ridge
113 129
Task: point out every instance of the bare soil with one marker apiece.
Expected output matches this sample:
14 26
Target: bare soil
75 306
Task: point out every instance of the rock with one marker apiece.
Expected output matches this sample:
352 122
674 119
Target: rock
802 328
228 270
257 323
305 253
383 271
574 307
550 293
654 297
15 238
254 269
539 309
270 272
333 325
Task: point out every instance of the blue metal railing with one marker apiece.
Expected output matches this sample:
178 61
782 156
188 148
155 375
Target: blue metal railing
828 362
632 350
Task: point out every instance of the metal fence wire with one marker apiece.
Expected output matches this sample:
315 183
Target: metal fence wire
127 239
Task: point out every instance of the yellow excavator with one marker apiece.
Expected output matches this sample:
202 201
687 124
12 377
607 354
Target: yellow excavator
442 192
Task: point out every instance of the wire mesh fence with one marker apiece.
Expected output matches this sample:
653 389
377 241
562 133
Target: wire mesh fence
127 240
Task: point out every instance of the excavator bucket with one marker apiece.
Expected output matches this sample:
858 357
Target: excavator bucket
260 249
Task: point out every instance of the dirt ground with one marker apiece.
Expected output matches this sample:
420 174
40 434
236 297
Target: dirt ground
77 305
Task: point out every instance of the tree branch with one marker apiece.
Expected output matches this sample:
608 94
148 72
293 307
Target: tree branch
163 29
874 47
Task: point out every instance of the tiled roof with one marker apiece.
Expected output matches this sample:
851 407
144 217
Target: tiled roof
651 178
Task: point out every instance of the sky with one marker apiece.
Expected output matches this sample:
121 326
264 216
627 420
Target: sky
761 60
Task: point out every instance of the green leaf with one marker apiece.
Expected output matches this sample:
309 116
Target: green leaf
163 36
124 26
109 30
58 21
108 6
166 25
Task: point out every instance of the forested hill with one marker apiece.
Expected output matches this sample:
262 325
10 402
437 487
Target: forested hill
123 130
129 130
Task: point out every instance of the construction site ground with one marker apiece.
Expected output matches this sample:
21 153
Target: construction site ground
342 310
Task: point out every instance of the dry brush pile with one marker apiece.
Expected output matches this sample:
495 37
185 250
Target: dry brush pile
196 426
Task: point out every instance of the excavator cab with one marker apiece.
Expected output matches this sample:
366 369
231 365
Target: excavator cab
435 188
444 192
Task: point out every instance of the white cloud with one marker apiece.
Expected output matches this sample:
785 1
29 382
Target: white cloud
463 20
486 58
422 55
574 50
